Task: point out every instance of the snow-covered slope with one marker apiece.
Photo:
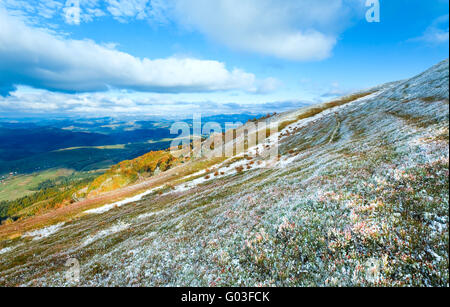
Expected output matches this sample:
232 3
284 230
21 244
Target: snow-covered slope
358 197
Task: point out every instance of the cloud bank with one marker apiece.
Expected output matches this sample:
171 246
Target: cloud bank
289 29
35 102
436 33
39 58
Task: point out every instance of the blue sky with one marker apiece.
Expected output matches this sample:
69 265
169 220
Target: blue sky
176 57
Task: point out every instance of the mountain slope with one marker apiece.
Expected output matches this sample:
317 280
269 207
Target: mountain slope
357 197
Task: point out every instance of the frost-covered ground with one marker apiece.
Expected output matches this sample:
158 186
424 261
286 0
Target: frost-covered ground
44 232
358 197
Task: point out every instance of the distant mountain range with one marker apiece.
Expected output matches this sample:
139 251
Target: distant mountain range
33 145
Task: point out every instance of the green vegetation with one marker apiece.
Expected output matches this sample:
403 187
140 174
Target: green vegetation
29 195
18 186
81 158
48 194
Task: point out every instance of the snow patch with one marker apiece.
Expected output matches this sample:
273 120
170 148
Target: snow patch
148 215
104 233
285 162
5 250
126 201
44 232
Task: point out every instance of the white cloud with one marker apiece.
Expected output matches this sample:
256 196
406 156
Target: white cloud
75 12
48 8
436 33
128 8
39 58
288 29
266 86
26 100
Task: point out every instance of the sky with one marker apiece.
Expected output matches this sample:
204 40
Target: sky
178 57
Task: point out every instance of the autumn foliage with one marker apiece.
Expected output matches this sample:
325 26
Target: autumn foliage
130 171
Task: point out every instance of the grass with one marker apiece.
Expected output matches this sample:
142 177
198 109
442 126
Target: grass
47 195
360 232
414 120
313 111
431 99
81 158
22 185
346 99
195 167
